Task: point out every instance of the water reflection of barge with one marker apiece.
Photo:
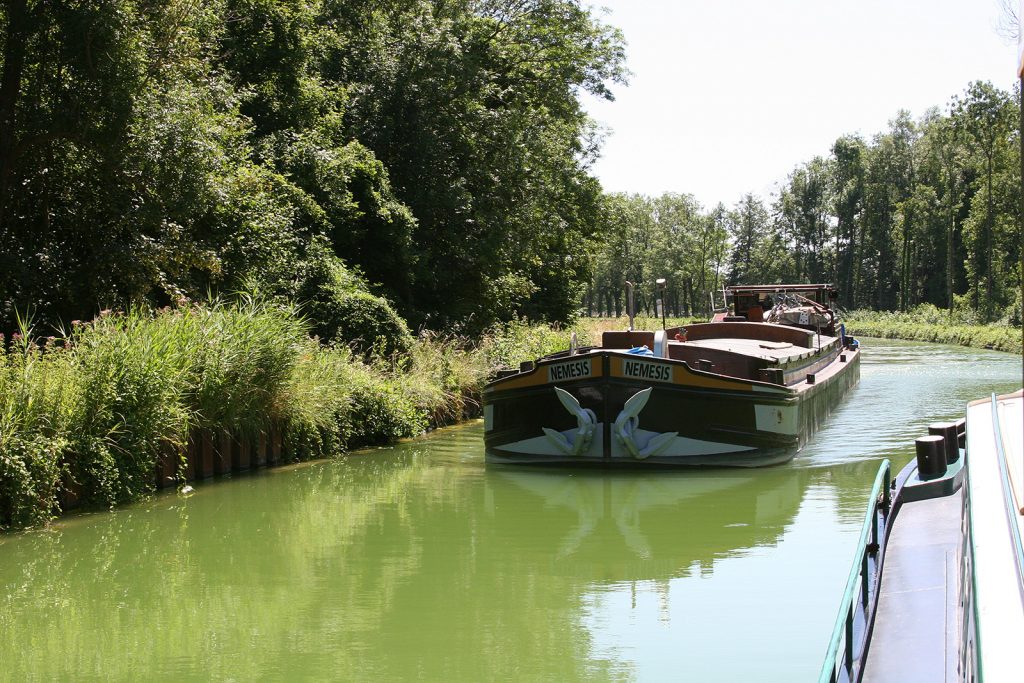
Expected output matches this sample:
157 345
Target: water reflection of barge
937 589
746 389
610 526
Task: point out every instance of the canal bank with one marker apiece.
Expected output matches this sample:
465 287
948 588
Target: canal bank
931 326
130 402
421 563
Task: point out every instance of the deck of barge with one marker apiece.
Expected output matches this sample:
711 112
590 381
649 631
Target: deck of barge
994 436
778 352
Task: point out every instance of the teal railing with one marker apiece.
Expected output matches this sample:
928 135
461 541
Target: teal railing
848 644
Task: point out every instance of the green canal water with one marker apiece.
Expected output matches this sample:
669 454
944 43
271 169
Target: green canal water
420 563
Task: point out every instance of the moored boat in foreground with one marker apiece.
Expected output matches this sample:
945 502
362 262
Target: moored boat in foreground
936 592
737 391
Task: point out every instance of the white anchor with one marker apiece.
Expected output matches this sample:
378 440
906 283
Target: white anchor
585 419
625 428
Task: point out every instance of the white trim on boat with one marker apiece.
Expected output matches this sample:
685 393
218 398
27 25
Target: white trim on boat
998 587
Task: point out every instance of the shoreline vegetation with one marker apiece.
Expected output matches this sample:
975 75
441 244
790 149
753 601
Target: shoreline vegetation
89 415
930 324
394 166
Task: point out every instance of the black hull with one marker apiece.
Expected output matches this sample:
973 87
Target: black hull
716 421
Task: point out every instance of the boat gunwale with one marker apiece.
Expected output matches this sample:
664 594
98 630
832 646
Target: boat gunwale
825 353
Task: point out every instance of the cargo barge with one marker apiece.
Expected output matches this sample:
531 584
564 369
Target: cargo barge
740 390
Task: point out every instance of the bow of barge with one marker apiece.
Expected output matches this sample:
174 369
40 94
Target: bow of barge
730 393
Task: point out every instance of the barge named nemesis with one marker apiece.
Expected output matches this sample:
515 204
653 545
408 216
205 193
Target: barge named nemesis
746 389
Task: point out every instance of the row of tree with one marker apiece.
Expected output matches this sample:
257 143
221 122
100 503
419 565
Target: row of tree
159 151
435 152
925 212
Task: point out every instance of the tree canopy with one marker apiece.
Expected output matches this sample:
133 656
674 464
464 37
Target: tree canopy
436 154
163 151
926 211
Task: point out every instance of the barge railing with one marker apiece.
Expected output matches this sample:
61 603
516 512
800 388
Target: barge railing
848 644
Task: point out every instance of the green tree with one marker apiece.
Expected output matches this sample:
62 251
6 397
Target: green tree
848 154
115 133
473 107
985 114
756 242
803 209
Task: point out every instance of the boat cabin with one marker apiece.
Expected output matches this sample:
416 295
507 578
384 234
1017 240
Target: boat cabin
806 306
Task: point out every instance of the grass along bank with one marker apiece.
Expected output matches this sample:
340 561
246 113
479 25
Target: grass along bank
92 410
931 324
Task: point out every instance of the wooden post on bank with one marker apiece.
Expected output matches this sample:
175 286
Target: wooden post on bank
243 454
204 469
274 456
166 465
204 455
261 450
70 494
222 459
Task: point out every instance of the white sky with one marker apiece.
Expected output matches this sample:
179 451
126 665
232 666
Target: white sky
728 96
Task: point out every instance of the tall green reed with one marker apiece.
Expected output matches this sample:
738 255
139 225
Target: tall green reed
93 410
133 370
243 357
37 398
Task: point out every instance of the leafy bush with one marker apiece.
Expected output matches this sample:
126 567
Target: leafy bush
366 221
381 410
29 478
342 312
365 323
